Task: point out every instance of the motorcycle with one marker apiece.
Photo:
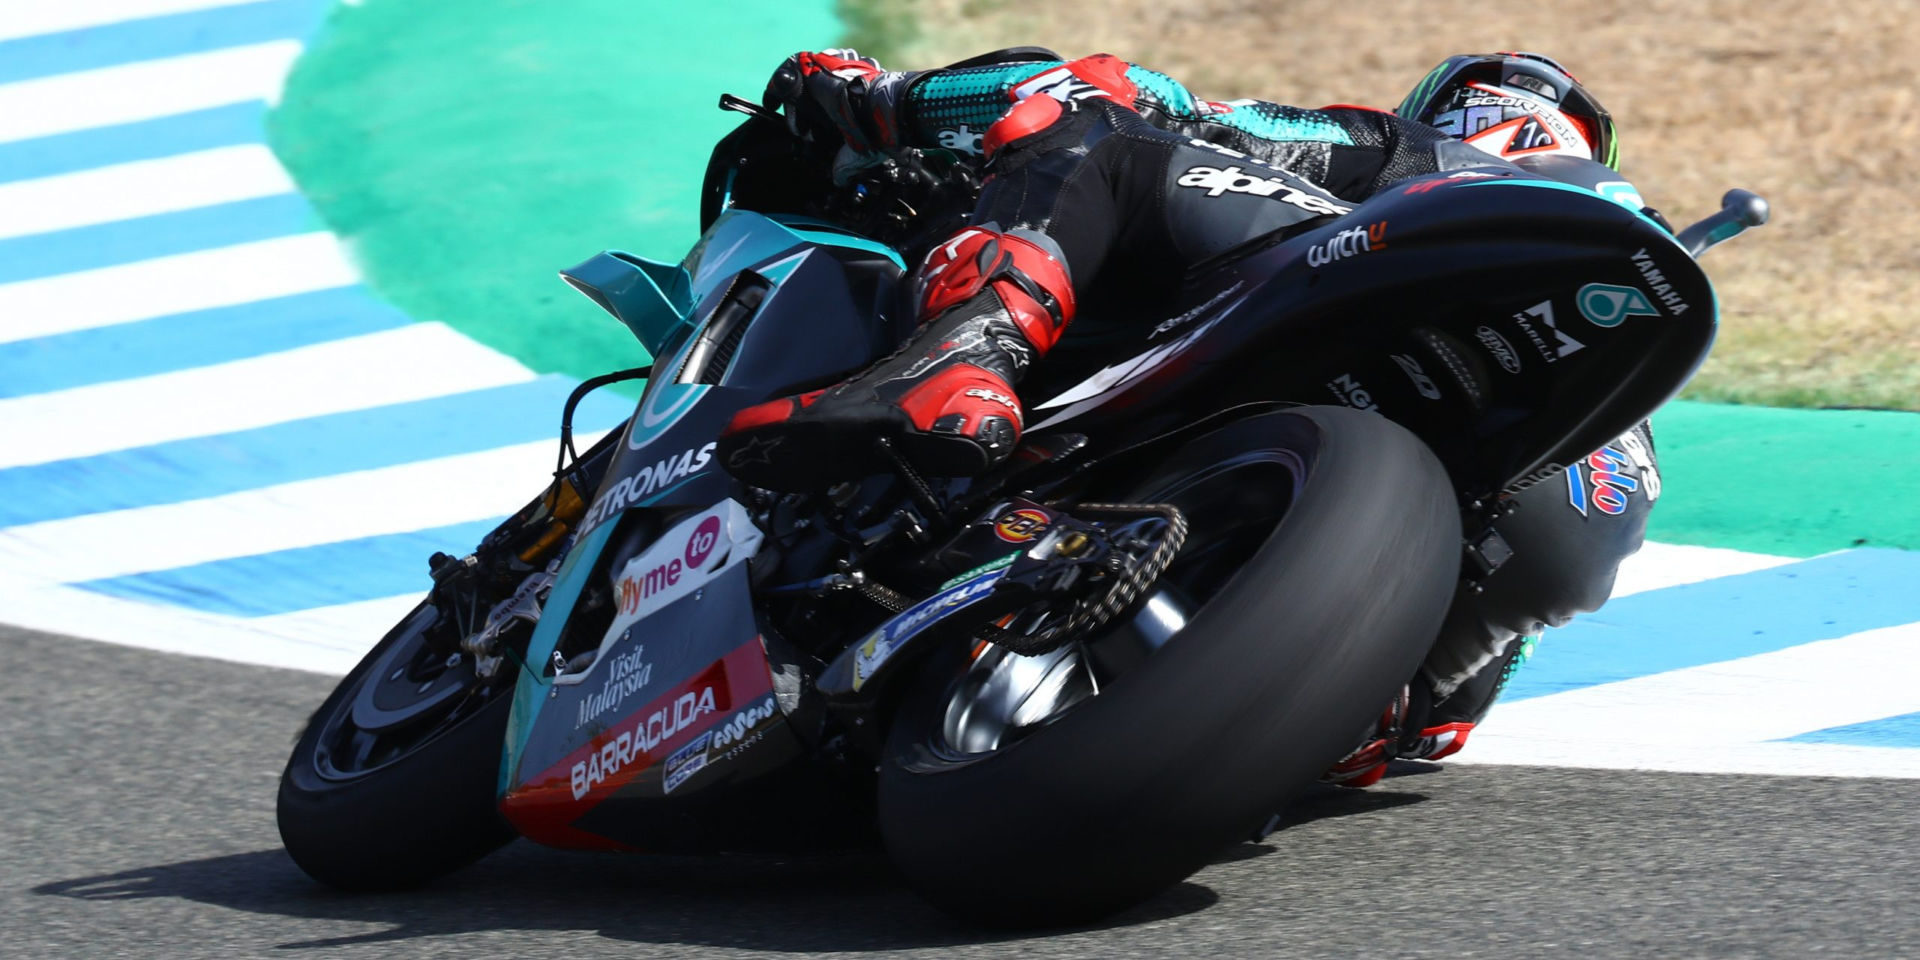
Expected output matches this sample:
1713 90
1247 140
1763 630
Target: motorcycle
1051 691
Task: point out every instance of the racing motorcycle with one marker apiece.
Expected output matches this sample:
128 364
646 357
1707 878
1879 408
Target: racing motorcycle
1050 691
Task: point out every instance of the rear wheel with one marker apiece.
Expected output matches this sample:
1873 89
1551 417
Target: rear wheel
392 783
1322 554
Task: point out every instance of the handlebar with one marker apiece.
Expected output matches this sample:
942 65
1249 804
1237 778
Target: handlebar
1739 209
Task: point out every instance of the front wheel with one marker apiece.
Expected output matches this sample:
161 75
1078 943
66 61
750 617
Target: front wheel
392 783
1323 554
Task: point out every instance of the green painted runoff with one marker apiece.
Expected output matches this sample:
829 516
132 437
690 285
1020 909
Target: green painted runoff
1789 482
466 151
469 150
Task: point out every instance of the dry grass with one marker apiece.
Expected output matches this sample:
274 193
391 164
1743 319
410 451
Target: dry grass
1813 104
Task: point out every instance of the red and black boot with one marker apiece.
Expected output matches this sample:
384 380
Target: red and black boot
995 302
1405 731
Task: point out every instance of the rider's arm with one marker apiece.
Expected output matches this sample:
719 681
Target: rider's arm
1351 151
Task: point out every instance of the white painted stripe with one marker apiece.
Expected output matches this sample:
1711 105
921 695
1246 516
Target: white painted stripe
347 626
1776 759
67 102
1661 565
1695 711
127 190
201 280
65 610
391 366
348 506
27 18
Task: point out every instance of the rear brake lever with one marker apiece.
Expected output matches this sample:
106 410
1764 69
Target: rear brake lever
1739 209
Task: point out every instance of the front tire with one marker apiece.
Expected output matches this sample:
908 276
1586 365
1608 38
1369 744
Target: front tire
412 798
1272 678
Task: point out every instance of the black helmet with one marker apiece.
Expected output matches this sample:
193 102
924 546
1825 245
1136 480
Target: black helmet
1513 105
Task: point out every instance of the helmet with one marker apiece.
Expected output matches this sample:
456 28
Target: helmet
1513 105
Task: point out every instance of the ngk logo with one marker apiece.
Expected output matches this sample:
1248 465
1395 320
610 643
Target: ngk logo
1352 393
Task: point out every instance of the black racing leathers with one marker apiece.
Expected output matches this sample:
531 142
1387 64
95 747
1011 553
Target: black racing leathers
1136 181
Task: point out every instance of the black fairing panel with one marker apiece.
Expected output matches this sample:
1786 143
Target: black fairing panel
830 317
818 312
1440 321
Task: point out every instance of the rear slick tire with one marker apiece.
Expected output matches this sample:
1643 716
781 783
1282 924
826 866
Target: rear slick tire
1271 680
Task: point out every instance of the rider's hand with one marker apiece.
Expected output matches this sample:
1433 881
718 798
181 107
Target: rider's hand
828 91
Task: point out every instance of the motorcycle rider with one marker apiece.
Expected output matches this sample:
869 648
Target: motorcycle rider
1104 181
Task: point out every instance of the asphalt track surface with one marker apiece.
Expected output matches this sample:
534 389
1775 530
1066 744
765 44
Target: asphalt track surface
137 789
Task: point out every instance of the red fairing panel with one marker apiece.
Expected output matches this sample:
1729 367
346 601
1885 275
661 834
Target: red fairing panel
545 806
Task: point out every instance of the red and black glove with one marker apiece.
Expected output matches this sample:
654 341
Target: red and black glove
839 91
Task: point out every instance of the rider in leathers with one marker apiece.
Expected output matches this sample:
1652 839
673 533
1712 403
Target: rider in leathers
1105 181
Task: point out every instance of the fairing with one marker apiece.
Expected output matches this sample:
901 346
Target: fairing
1515 324
667 691
1451 304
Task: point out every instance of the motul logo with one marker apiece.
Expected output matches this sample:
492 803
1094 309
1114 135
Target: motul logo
1349 243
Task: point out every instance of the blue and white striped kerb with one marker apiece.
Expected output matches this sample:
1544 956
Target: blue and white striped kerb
213 439
1717 661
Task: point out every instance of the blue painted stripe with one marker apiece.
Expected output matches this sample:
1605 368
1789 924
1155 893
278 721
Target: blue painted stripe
1902 731
152 38
288 580
299 450
163 137
160 235
1700 623
186 340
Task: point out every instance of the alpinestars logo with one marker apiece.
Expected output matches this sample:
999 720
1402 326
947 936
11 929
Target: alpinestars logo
962 139
993 396
1059 84
1216 181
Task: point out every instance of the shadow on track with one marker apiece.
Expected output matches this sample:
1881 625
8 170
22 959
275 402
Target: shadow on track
852 902
848 903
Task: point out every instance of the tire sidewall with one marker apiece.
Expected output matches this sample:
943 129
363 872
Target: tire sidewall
1135 788
426 814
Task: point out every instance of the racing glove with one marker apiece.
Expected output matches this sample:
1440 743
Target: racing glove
841 92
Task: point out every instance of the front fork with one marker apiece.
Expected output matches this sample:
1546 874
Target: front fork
505 580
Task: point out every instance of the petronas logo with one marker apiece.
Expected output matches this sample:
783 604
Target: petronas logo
1606 305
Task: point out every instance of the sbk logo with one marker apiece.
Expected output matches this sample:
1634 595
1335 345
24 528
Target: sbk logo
1217 182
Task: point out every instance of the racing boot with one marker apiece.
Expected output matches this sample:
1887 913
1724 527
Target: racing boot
993 302
1405 731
